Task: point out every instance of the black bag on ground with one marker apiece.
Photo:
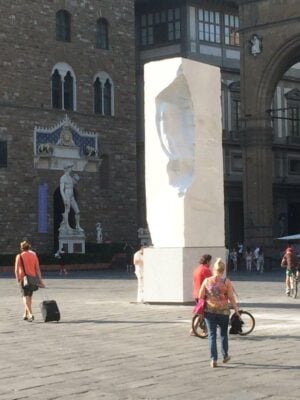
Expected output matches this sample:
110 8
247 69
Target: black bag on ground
50 311
236 325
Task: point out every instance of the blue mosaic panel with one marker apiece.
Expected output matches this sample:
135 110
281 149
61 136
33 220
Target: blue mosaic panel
52 137
42 208
83 141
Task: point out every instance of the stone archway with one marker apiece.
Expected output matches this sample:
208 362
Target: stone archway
276 24
283 58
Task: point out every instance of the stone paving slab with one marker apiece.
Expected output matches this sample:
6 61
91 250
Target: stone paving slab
108 347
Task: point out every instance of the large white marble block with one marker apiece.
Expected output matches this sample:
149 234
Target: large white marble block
184 162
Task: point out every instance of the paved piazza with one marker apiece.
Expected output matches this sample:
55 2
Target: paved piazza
107 347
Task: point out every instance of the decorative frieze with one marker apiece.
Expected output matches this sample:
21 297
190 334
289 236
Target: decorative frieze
64 144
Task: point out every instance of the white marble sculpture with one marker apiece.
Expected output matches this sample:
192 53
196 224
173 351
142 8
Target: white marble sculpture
72 240
255 45
99 233
184 173
67 183
176 130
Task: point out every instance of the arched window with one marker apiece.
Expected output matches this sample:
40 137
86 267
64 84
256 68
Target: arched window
63 26
102 34
68 91
293 112
56 90
97 97
103 94
63 87
107 97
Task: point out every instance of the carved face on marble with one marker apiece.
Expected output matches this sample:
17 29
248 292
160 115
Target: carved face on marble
176 129
66 137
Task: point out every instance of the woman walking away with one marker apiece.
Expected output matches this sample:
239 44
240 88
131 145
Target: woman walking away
27 261
218 292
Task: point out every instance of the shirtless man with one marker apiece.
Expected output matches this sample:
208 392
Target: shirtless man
138 261
67 192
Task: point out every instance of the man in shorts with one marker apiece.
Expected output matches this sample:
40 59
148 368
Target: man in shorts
290 262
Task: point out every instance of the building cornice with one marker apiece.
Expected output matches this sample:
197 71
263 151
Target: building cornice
242 2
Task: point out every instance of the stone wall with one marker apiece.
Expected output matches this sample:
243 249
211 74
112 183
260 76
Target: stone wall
29 51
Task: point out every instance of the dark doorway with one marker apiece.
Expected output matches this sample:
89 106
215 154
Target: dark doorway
58 209
293 218
236 223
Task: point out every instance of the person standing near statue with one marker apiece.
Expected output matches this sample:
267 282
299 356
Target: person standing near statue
67 183
128 250
138 261
61 256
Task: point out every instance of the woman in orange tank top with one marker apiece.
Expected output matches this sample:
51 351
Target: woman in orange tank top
27 260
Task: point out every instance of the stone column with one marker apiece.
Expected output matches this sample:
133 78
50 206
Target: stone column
257 184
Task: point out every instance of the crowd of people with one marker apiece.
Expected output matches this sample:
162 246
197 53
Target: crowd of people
250 259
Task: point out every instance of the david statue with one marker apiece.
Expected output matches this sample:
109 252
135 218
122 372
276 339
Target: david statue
67 182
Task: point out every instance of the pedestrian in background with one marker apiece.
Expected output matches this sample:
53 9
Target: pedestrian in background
218 293
260 261
138 261
248 259
256 253
128 250
61 256
234 259
227 259
240 247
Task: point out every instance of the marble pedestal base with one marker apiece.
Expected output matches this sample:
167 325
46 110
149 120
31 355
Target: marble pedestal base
72 243
168 272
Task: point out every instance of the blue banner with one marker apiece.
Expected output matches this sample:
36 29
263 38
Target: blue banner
42 208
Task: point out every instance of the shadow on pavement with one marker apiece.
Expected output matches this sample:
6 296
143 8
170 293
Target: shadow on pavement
95 321
269 305
264 366
258 338
270 276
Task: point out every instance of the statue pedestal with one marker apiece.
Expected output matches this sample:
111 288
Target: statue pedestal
168 272
72 242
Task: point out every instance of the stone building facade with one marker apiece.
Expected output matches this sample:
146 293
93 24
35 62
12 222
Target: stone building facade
81 61
256 45
74 61
270 118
